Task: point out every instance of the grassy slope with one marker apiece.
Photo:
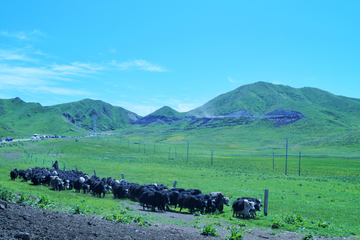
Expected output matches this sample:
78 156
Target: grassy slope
261 98
324 191
108 116
20 119
167 112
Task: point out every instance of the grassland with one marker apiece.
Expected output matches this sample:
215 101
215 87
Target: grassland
327 189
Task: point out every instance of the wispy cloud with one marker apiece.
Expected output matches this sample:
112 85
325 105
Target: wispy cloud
138 64
29 35
232 80
27 75
25 54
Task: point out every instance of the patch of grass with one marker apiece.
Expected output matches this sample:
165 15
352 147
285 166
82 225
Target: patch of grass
209 230
236 234
81 209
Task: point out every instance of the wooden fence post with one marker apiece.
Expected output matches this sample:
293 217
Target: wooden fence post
139 145
187 154
212 154
266 198
286 156
299 162
175 184
122 175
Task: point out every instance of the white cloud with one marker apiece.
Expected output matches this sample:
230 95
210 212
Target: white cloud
185 107
232 80
43 79
138 64
19 54
140 109
59 91
29 35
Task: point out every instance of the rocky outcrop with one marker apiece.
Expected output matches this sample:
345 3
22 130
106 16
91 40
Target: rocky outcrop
152 119
241 113
69 117
283 117
280 117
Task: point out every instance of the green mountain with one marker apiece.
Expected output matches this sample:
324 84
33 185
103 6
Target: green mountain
259 107
21 119
263 98
108 117
167 112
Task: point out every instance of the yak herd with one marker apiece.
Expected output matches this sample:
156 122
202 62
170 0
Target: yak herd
148 195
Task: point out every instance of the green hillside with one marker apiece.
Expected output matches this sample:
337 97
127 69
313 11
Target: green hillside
108 117
21 120
321 114
319 107
167 112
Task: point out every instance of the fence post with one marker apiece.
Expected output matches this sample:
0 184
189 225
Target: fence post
286 156
174 186
95 172
266 201
122 175
212 154
299 162
139 145
187 154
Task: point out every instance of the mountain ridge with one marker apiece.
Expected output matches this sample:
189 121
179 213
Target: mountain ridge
244 105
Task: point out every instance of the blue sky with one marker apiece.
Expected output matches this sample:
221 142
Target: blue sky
142 55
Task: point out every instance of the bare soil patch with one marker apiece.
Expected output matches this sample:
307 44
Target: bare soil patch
22 221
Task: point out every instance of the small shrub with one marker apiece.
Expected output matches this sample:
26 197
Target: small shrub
308 237
323 224
197 213
6 194
23 198
122 218
217 223
276 224
45 202
235 234
241 224
143 223
129 208
209 230
196 222
81 209
293 219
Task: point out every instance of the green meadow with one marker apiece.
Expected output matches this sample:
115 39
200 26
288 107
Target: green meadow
323 199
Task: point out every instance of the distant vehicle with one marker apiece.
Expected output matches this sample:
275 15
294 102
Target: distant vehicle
63 136
8 139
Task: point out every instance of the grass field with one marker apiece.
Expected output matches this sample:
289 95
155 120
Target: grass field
327 190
